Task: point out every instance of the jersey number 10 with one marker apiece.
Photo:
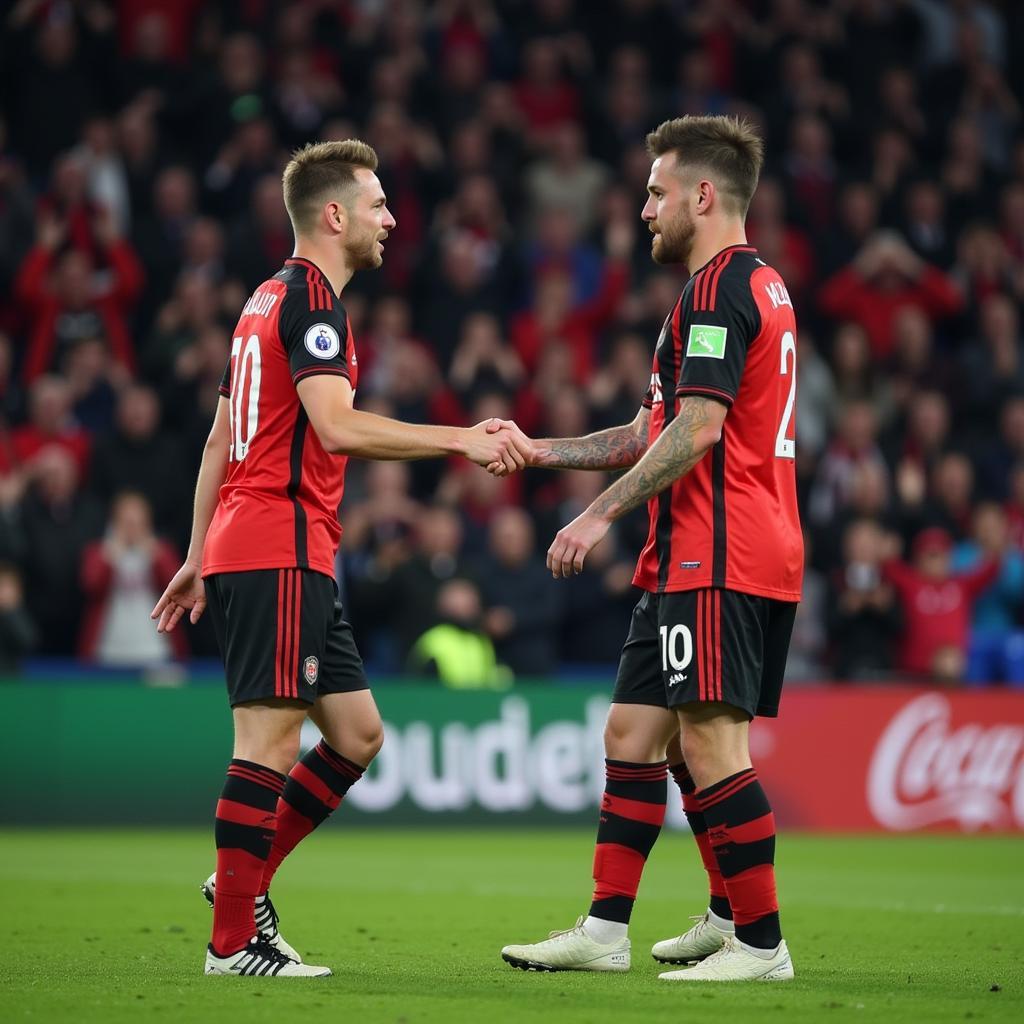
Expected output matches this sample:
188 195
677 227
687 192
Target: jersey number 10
244 403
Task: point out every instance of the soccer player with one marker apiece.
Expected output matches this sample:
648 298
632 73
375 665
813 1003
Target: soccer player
265 534
712 454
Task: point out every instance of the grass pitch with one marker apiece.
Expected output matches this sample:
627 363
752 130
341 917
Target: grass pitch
109 926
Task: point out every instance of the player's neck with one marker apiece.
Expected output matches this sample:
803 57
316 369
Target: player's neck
705 249
332 265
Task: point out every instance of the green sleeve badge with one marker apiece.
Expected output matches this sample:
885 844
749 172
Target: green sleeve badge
707 340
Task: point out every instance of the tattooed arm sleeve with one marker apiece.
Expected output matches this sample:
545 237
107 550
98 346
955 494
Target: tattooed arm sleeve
615 448
696 428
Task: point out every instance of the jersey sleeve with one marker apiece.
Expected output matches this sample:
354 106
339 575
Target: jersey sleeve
225 381
716 337
316 340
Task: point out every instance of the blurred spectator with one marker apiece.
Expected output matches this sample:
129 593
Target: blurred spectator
59 68
160 237
926 225
558 316
137 456
859 377
884 277
864 617
567 178
996 650
18 633
522 607
122 577
50 424
457 650
992 364
262 240
57 520
855 443
67 299
543 94
937 606
401 593
483 361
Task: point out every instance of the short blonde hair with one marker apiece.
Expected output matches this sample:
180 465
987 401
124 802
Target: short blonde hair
729 148
320 171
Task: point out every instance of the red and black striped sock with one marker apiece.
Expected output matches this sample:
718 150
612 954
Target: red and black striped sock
244 831
632 813
315 787
742 830
718 901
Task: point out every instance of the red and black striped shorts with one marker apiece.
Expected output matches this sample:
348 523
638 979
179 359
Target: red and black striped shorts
706 645
282 634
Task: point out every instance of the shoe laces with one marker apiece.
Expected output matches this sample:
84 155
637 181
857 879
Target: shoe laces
728 948
268 912
262 947
577 928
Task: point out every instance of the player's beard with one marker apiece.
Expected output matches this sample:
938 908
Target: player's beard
675 242
363 253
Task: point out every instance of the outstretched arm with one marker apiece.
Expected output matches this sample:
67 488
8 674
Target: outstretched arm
696 428
615 448
343 430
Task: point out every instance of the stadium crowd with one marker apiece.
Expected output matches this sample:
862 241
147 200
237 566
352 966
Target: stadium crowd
141 145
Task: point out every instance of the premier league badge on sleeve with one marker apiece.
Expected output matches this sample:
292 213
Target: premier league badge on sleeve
322 341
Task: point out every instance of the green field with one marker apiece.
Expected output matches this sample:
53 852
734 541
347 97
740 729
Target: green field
109 926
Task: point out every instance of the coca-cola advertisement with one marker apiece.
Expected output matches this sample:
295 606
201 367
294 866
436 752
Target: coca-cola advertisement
895 759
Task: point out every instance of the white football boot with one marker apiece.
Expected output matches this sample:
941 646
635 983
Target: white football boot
266 919
703 939
260 959
734 962
571 950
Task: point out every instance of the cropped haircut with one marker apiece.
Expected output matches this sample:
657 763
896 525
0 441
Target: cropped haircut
728 149
320 172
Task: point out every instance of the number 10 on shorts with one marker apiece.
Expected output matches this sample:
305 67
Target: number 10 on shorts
672 639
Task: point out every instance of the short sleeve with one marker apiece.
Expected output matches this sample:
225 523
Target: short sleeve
225 381
715 340
316 340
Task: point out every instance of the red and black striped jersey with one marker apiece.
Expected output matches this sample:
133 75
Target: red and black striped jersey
732 521
278 505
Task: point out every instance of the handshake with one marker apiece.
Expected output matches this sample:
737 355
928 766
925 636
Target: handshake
499 446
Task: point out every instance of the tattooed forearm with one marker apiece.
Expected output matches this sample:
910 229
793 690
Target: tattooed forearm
615 448
682 445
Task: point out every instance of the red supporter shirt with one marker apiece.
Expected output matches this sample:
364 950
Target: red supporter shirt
732 521
937 613
279 503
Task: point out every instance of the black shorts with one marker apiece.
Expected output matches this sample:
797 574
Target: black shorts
281 634
706 645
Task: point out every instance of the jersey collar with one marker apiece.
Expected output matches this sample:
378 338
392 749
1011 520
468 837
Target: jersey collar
738 247
302 261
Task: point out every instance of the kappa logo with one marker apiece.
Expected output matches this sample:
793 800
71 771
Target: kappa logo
311 670
707 341
676 678
322 341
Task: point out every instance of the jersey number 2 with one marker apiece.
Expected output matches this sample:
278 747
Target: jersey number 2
785 447
244 404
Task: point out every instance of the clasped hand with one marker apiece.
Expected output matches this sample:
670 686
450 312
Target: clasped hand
499 446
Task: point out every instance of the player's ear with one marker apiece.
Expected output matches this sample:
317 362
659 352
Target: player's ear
336 217
705 195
